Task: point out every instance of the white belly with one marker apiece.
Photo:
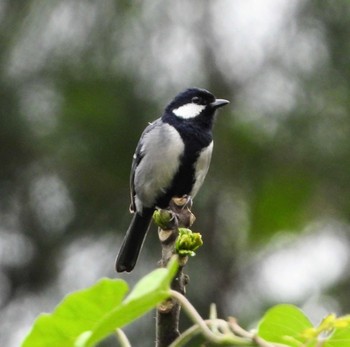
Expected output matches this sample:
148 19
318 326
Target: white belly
201 168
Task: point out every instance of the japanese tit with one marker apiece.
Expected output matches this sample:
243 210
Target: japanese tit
171 160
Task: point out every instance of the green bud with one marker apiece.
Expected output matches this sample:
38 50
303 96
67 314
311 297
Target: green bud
162 218
187 242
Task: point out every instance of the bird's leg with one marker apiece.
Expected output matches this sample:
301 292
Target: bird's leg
181 206
184 201
177 215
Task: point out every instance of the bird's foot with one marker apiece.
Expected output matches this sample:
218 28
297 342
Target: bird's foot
181 206
183 202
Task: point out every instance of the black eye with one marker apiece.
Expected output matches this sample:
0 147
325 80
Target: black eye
197 100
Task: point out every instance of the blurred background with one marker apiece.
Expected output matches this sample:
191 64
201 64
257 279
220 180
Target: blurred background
80 79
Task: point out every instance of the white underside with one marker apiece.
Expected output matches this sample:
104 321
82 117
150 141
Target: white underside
202 167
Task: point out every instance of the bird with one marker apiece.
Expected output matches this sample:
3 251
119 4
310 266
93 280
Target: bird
171 160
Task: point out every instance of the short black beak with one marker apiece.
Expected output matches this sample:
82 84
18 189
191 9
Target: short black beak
219 103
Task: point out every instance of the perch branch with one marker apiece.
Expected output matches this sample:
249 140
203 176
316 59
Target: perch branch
168 313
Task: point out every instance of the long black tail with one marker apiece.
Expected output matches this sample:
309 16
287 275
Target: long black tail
133 241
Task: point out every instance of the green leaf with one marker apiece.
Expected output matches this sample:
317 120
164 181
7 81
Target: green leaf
157 281
87 316
284 324
78 312
339 338
148 292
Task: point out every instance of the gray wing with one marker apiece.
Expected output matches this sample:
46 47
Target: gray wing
137 157
156 161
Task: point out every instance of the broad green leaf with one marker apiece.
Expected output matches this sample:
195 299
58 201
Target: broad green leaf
78 312
284 324
340 338
158 280
148 292
87 316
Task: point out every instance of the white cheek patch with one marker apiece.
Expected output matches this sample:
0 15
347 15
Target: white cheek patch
189 110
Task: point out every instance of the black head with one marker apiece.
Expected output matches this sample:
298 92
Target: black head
194 103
